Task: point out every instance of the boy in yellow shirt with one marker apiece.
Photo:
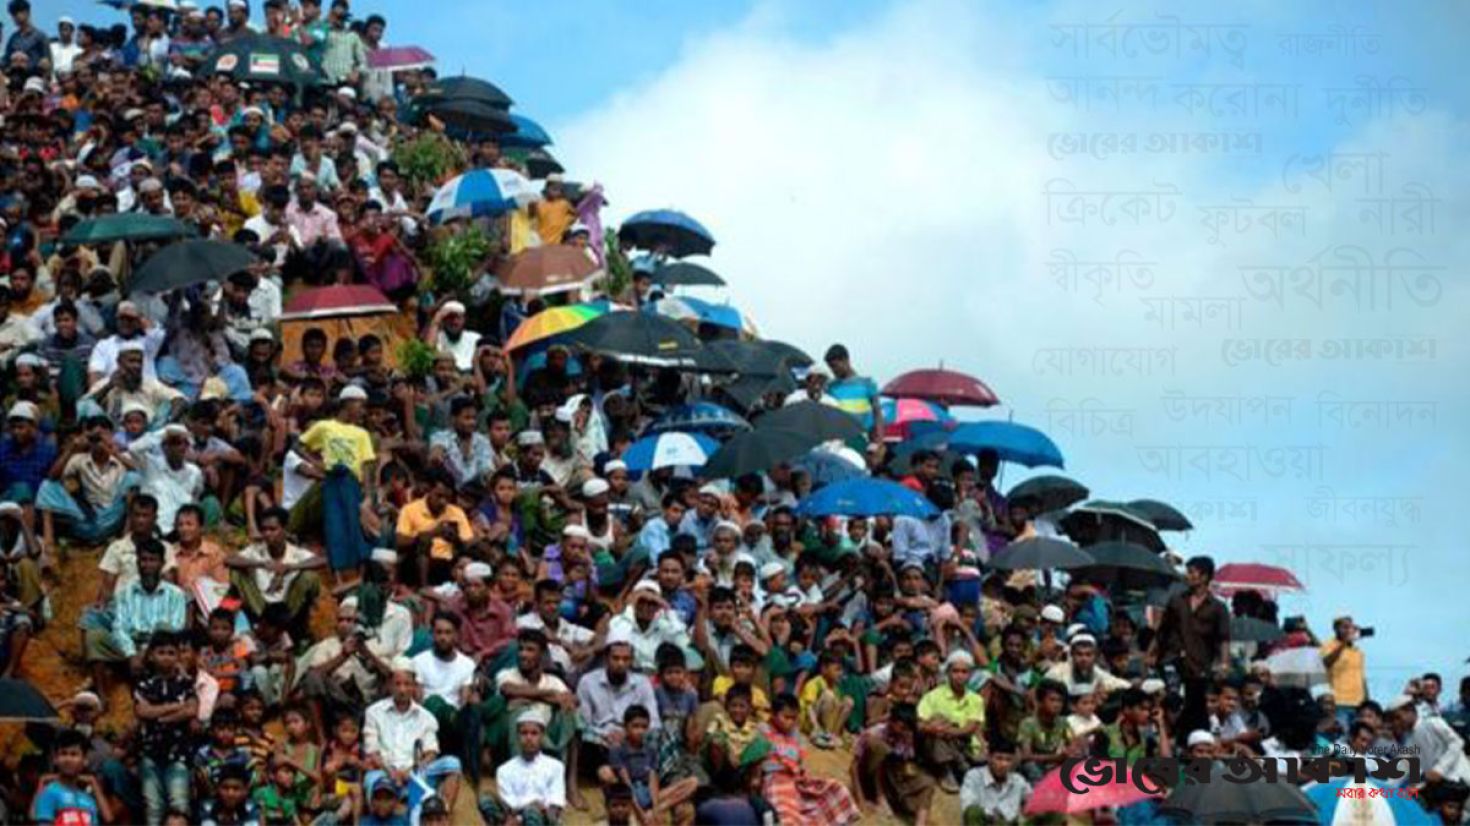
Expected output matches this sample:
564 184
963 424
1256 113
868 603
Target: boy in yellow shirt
824 711
742 672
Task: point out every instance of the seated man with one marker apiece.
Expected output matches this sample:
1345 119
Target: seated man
401 741
130 383
952 718
144 606
26 456
86 489
167 475
527 685
530 787
433 530
276 571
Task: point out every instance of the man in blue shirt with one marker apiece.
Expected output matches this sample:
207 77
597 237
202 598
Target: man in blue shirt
658 534
70 797
25 458
857 395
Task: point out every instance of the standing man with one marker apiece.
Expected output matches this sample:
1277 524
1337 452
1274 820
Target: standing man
857 395
1194 636
27 40
1346 670
64 48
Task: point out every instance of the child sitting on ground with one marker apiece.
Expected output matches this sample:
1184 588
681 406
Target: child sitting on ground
743 660
732 730
303 754
230 805
824 710
634 763
342 768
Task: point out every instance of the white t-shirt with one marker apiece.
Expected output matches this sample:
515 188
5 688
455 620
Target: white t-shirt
446 680
567 634
294 483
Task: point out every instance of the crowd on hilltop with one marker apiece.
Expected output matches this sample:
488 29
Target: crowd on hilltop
519 613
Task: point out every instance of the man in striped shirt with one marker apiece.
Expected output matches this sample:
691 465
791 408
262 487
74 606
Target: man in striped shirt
140 608
856 395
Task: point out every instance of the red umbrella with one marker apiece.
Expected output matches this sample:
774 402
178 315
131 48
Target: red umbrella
337 300
946 387
1270 580
400 58
1051 795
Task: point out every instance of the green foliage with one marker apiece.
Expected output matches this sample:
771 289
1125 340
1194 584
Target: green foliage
458 259
619 271
428 159
415 357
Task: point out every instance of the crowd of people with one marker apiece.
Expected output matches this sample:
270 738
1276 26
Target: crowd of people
333 590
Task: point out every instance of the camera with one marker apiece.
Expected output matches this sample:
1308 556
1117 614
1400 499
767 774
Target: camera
1364 633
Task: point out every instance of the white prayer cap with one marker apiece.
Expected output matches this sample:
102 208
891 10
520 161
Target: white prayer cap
1200 737
710 489
65 20
959 657
175 430
1153 685
24 410
128 308
131 346
352 393
384 556
87 182
11 509
615 465
617 636
530 438
647 586
1053 613
30 360
554 178
1083 639
404 664
1320 690
261 334
452 308
1401 701
594 487
130 408
576 530
726 525
477 571
535 714
771 569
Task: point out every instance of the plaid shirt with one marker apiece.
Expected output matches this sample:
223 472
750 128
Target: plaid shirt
342 54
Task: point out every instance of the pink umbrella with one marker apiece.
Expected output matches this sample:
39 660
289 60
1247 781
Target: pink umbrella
898 414
400 58
1052 795
1270 580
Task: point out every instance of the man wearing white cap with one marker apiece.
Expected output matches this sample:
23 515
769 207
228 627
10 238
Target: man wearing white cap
25 457
1080 671
342 670
132 326
447 334
648 623
532 782
724 554
131 384
952 718
64 48
400 738
1441 751
487 622
701 521
1201 744
161 460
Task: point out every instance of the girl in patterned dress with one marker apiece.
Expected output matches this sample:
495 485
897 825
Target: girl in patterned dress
799 798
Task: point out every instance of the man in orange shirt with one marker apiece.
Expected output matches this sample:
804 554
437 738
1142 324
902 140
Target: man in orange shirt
433 529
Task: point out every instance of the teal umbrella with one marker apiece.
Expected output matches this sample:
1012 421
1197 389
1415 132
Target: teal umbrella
127 227
189 262
264 59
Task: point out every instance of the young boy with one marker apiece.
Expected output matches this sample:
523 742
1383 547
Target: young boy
824 711
733 729
1043 737
618 800
1083 720
230 805
383 805
227 656
165 704
69 796
743 660
531 783
221 752
272 660
276 798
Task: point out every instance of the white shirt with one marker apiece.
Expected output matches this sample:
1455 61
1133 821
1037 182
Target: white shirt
1439 749
666 627
172 487
294 483
103 360
264 229
63 55
462 350
294 554
567 634
548 682
446 680
121 560
394 636
391 734
352 669
523 782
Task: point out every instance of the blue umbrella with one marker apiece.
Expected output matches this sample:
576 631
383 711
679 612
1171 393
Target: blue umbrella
688 308
1335 807
528 134
698 416
1013 442
865 497
670 449
827 464
681 234
481 192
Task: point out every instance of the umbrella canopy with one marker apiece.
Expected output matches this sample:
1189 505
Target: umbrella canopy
1250 629
1299 667
1039 553
898 414
21 702
128 226
552 321
670 450
466 88
1099 521
748 389
1013 442
698 416
943 386
185 263
481 192
751 358
793 354
830 463
540 164
555 268
467 113
1051 795
337 300
639 338
669 228
1052 493
866 497
685 274
262 58
686 308
400 58
528 134
818 421
756 451
1220 802
1245 576
1336 806
1164 516
1128 565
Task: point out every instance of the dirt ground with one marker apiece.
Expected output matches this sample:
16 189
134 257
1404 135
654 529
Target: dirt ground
54 664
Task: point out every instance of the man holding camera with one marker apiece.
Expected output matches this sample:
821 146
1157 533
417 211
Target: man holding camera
1346 671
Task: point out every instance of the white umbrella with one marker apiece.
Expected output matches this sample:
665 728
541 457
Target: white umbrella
1301 667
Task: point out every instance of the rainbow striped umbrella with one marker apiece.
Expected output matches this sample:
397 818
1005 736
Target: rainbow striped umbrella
553 321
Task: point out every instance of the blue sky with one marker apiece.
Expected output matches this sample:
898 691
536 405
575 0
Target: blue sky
875 172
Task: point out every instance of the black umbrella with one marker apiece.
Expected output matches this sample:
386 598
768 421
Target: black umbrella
262 58
466 88
190 262
474 115
820 421
1128 565
1250 629
746 390
1051 492
127 226
749 358
757 451
1222 802
21 702
639 338
685 274
539 163
1040 553
1094 522
1165 517
793 354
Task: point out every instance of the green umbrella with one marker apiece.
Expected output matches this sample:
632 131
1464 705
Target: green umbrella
1051 492
189 262
264 59
130 226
